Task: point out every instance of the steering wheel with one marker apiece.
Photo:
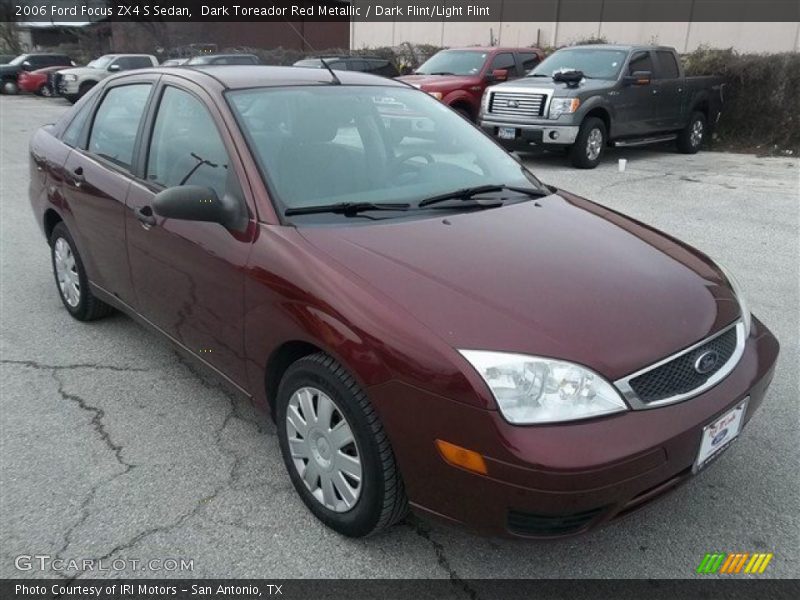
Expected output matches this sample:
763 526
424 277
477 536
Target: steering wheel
401 158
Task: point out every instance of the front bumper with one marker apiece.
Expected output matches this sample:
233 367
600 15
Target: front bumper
67 88
556 480
531 133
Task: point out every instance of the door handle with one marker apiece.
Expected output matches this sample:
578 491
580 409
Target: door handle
146 216
77 176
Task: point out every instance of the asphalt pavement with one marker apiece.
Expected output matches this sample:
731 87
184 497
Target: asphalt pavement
114 447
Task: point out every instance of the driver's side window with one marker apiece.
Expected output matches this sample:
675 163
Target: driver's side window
186 148
640 61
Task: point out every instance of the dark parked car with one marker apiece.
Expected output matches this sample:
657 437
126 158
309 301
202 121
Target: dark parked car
28 62
6 58
223 59
585 97
365 64
429 324
459 76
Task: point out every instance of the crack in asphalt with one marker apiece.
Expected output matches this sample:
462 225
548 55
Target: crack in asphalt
424 531
94 366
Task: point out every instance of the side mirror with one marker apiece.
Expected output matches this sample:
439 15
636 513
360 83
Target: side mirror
26 65
113 68
498 75
196 203
638 78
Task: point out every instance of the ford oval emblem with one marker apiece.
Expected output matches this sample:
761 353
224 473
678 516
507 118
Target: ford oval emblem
719 437
706 362
513 104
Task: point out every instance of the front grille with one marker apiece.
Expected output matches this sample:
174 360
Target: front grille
514 104
523 523
55 81
679 376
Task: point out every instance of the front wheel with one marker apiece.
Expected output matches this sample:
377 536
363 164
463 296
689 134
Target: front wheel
336 451
71 279
589 145
44 90
691 137
10 87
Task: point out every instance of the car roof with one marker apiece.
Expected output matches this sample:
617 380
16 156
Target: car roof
233 77
496 49
624 47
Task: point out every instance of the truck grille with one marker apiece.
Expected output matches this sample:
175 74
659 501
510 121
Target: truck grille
679 376
515 104
54 81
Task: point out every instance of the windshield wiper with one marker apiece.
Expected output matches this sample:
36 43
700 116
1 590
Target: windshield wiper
345 208
538 75
439 73
470 192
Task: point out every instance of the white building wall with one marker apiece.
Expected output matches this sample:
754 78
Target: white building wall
745 37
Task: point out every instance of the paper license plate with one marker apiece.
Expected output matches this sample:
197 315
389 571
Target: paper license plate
506 133
718 435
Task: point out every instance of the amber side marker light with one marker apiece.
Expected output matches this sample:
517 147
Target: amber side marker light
461 457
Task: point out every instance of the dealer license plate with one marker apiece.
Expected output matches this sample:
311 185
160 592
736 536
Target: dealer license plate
506 133
717 436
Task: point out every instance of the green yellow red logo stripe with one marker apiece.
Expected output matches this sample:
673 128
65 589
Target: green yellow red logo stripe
734 562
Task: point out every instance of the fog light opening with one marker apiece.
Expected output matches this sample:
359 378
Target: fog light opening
553 135
461 457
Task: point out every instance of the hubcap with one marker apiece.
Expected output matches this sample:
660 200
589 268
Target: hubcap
67 272
697 133
594 144
46 91
323 449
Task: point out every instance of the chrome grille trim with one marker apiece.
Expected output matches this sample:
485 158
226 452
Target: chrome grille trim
533 103
623 384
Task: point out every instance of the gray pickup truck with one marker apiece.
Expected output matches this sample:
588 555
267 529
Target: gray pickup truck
586 97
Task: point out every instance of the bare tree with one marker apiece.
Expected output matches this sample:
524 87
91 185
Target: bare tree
9 29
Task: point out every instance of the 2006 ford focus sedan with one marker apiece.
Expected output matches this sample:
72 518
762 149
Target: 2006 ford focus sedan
428 324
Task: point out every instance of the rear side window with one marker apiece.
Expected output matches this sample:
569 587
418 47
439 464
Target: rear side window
504 61
640 61
529 61
117 122
186 148
72 134
668 64
133 62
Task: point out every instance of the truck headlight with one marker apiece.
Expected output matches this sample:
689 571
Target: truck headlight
437 95
563 106
747 316
69 77
531 389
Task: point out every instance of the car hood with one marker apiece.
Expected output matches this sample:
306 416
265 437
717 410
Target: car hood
559 277
435 82
546 83
84 71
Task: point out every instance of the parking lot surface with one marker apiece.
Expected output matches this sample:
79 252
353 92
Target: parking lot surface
114 447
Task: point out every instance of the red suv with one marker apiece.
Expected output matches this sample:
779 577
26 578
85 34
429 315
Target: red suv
459 76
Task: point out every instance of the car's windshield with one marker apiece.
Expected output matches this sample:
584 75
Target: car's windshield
321 145
596 64
454 62
101 63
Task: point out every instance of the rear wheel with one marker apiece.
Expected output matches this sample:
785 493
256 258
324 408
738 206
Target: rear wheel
691 137
335 449
590 144
44 90
71 280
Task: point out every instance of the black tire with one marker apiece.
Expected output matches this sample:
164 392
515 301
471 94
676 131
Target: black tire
88 307
382 500
464 113
579 152
84 88
688 142
71 98
10 87
44 90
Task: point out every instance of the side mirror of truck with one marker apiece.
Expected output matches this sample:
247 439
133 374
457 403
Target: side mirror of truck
114 68
638 78
498 75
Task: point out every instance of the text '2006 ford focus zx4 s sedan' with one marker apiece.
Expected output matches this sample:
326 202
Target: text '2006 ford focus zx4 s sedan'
428 324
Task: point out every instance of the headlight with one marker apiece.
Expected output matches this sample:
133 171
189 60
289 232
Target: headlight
563 106
437 95
529 389
70 78
485 101
747 317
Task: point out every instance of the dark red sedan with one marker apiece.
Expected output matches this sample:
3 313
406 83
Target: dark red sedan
428 324
36 82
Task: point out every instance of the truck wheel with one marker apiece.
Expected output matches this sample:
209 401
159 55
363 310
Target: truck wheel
463 112
588 148
10 87
44 90
691 137
85 87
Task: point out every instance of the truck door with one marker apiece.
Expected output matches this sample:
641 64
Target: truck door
671 92
635 104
